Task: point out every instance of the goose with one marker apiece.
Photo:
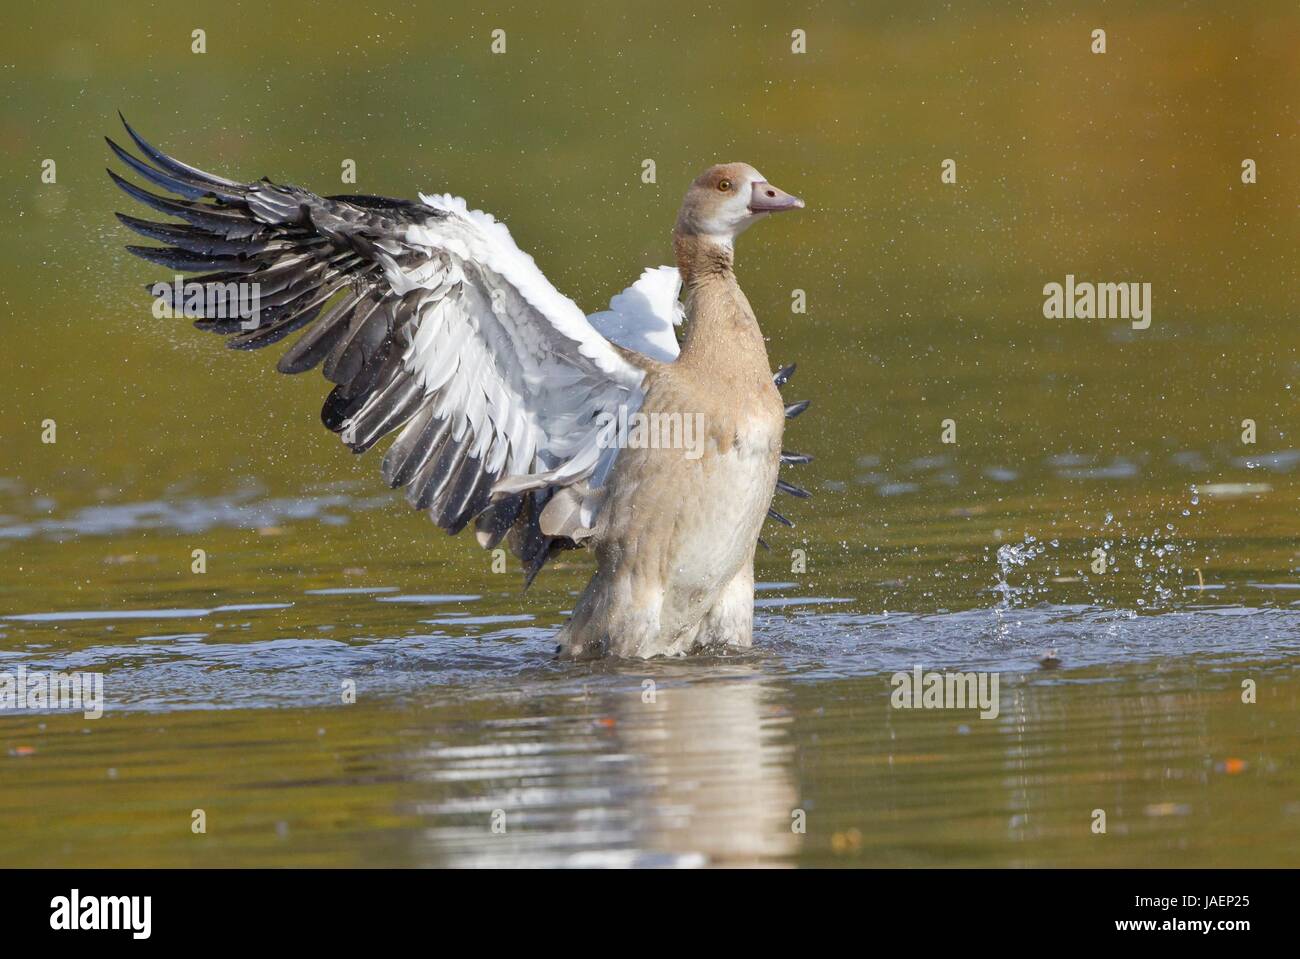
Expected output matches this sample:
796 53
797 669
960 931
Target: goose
509 404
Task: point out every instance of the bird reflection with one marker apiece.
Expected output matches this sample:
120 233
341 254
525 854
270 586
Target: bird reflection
660 766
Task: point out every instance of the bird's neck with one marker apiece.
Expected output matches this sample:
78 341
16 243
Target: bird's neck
702 258
721 330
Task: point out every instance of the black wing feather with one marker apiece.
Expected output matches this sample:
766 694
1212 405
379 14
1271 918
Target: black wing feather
318 263
780 378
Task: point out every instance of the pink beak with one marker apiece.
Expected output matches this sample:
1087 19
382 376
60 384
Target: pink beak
768 199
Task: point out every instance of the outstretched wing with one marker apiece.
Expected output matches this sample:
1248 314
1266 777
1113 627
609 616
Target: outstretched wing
428 319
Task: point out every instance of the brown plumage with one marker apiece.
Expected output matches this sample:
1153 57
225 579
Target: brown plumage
675 544
434 326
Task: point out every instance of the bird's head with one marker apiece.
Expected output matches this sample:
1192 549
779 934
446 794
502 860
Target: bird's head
727 199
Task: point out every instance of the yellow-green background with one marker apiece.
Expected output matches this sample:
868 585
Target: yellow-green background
924 303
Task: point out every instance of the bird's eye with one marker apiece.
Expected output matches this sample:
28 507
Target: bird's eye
724 185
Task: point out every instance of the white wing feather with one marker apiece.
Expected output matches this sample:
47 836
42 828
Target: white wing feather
643 317
438 326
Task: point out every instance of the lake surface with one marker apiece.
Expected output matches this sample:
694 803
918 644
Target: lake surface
467 744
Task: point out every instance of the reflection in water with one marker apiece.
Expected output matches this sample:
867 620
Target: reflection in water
583 770
713 762
665 772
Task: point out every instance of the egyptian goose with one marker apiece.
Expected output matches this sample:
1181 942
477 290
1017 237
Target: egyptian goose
509 404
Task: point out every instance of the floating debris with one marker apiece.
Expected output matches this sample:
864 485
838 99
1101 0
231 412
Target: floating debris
850 840
1168 809
1229 490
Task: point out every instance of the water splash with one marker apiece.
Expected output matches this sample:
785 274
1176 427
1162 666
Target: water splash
1012 557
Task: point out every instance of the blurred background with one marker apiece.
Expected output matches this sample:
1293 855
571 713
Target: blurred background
924 303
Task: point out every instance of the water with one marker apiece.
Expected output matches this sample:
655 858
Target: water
225 693
1120 690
